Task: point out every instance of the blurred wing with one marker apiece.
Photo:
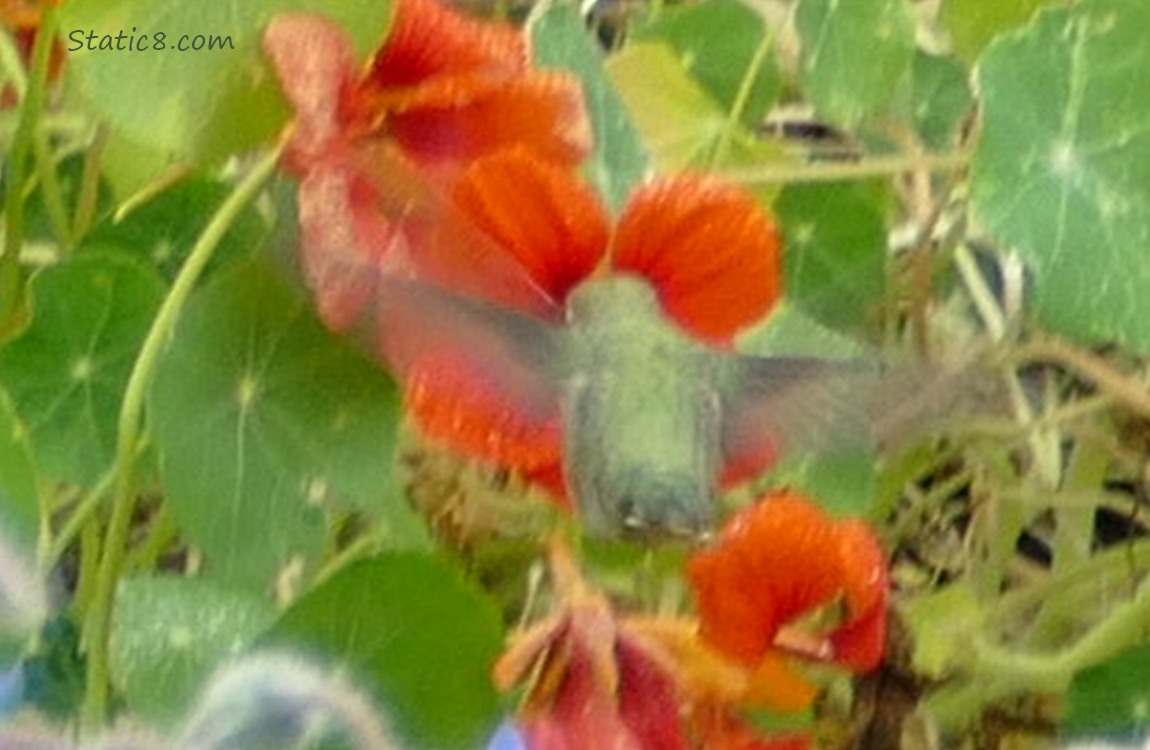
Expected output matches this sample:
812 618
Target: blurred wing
777 404
481 378
434 241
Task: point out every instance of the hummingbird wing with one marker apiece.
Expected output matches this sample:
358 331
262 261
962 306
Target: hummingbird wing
479 377
772 405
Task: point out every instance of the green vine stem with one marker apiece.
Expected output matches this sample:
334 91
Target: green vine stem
16 174
877 166
130 430
742 98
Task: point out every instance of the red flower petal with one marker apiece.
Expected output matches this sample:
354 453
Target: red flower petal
711 251
860 642
780 559
648 702
429 39
553 225
316 65
461 118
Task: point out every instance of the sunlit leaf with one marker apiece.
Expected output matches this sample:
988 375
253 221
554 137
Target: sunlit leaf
1062 172
19 506
418 632
835 251
197 104
169 634
1113 697
974 23
264 421
854 55
560 40
162 230
717 42
67 372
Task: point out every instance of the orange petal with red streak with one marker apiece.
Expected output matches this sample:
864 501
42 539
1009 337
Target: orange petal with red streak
860 642
429 38
543 215
710 249
465 117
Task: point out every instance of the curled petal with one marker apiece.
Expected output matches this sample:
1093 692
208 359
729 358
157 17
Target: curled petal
779 560
315 62
429 39
553 224
711 251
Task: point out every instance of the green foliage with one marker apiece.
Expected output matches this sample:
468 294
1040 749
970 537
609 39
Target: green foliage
854 55
722 60
421 634
836 258
619 161
171 633
975 23
67 372
1063 166
198 105
162 230
289 425
19 493
942 99
1112 697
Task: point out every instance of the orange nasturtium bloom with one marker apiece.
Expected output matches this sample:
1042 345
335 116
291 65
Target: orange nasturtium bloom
778 561
443 90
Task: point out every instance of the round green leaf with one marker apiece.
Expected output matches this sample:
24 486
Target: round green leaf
1113 697
67 372
423 637
835 251
854 55
264 421
199 105
170 633
619 162
1062 172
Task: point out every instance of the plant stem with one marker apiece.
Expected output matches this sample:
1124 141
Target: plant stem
87 202
742 97
130 426
50 191
878 166
15 178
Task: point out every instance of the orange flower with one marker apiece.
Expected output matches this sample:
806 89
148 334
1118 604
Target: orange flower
778 561
442 91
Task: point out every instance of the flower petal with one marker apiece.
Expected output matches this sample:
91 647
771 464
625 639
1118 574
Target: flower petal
860 642
551 223
342 240
648 702
773 564
429 38
315 62
462 118
711 251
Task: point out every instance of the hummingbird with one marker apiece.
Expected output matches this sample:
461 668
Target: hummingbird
648 418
